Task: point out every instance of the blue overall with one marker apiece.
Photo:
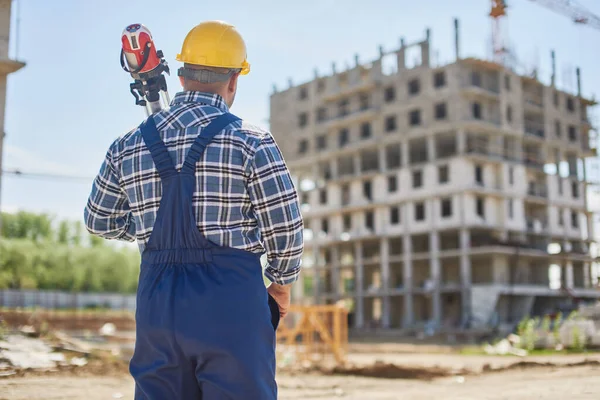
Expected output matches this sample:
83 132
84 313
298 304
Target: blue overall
205 324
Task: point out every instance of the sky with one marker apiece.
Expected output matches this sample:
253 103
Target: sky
72 100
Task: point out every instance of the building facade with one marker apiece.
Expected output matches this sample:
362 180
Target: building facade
449 196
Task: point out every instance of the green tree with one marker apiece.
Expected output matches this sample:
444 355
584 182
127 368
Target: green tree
33 255
63 232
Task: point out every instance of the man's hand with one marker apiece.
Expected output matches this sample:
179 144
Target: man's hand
282 295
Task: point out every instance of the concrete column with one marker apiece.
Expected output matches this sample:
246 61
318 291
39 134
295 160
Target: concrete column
359 306
335 271
587 278
385 280
425 52
461 141
405 150
569 281
590 224
382 159
465 273
435 275
334 168
356 159
316 172
431 153
401 58
409 318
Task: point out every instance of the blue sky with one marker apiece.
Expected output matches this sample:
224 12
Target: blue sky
72 99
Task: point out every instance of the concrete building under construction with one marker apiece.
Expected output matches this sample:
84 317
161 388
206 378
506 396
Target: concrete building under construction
440 196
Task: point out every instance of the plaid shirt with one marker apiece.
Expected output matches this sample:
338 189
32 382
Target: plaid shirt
246 198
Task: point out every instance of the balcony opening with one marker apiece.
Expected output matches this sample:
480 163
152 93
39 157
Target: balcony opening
395 215
321 142
343 137
446 207
303 146
392 182
479 206
390 123
439 79
370 221
325 171
302 119
479 175
418 151
476 79
393 155
346 166
417 179
414 86
414 118
389 94
445 145
443 174
345 193
420 211
347 223
367 190
420 243
476 110
303 93
364 101
323 196
321 114
369 160
343 108
440 111
365 130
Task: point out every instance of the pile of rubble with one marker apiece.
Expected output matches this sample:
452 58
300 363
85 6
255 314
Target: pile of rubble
24 350
579 332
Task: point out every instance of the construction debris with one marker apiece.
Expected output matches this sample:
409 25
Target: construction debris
506 346
21 352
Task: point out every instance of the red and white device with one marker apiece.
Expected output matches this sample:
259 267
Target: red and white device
139 49
146 65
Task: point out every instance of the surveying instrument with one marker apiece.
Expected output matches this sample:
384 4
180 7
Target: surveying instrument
146 65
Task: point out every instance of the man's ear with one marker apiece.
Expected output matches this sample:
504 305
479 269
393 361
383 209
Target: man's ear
233 83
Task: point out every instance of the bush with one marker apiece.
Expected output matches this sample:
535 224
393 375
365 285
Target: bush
33 256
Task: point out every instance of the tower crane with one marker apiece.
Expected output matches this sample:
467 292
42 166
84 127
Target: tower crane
570 8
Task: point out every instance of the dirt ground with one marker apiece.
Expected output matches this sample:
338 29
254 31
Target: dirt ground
541 383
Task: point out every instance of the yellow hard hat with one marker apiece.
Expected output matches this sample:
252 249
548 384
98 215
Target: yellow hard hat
215 44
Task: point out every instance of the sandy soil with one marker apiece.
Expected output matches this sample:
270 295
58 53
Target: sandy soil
537 383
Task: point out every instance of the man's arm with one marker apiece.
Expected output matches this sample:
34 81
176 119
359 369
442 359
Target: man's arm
107 213
277 209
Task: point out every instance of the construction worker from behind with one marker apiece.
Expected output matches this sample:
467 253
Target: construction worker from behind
205 194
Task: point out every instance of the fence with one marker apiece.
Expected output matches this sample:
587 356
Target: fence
64 300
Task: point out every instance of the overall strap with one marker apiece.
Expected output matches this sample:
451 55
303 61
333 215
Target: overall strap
206 136
158 150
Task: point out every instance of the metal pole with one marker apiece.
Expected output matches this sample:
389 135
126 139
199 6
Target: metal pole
1 173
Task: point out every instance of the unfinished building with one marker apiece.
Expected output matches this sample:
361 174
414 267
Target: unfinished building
442 196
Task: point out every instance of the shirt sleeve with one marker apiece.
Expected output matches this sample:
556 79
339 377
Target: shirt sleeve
107 213
275 202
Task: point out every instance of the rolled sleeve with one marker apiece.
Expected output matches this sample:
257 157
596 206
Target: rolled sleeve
275 202
107 213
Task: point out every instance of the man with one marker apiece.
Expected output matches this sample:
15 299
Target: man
205 194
